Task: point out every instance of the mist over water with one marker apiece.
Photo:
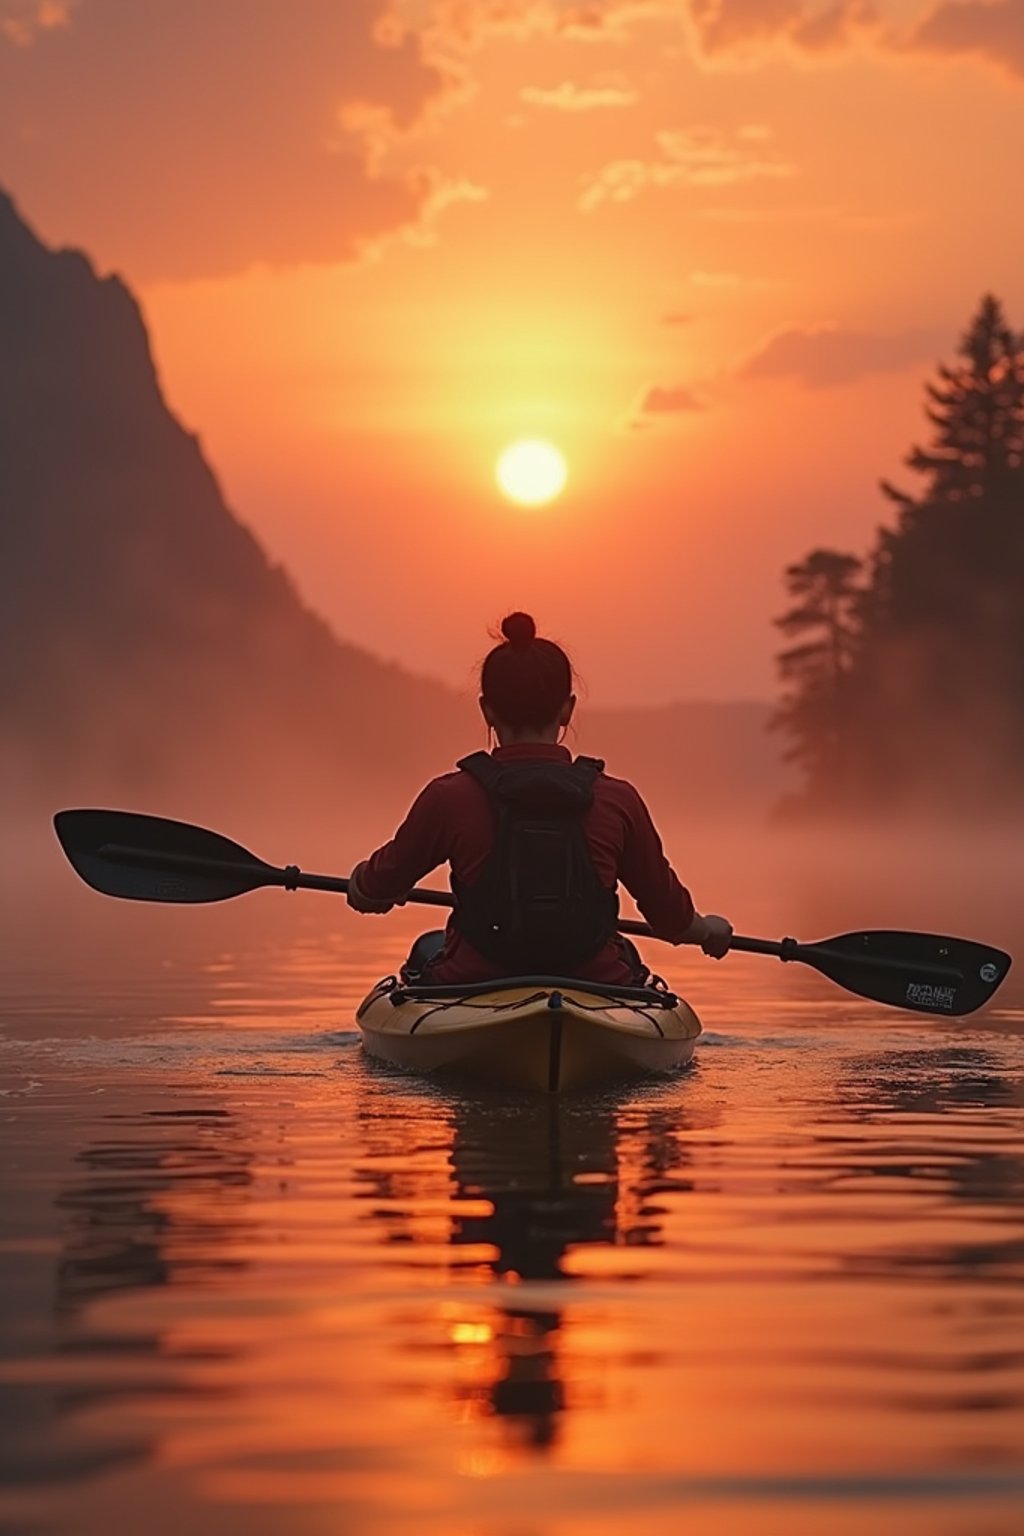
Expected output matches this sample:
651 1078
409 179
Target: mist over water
771 879
937 873
250 1282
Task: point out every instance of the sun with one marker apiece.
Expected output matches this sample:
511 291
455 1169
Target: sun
531 472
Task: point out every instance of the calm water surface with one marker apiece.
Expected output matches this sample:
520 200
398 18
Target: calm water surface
252 1283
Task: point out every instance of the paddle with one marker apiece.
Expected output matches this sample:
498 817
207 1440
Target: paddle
148 858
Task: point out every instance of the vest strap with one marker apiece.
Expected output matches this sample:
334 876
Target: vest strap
483 767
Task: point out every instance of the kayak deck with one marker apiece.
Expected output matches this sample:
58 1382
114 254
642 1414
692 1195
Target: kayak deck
542 1034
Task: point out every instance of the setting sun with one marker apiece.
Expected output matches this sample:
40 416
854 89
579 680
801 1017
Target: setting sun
531 472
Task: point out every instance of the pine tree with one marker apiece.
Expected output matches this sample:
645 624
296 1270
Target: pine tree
817 672
977 409
969 515
942 665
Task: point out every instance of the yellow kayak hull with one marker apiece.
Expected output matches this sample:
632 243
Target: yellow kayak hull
547 1036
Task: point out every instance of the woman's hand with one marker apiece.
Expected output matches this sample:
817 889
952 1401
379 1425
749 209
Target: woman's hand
718 936
712 933
360 902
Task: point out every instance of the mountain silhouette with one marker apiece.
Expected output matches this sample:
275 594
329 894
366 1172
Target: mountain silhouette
145 637
149 648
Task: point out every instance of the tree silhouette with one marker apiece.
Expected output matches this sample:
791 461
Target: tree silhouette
912 683
943 620
959 530
816 673
977 409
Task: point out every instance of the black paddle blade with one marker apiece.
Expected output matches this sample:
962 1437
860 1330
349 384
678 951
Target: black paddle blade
149 858
924 972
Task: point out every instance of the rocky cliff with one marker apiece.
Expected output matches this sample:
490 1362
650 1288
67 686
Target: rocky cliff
146 641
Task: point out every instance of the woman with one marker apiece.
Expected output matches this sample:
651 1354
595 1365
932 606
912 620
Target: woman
537 844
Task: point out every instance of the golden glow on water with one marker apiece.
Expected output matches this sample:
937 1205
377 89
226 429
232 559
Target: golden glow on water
471 1333
288 1292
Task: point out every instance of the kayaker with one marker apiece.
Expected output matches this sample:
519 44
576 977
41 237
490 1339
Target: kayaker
537 844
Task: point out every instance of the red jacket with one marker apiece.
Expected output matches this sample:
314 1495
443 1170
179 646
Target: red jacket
451 822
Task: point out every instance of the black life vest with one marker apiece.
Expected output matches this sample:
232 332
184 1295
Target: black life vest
538 906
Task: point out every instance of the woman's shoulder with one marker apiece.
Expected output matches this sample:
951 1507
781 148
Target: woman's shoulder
443 801
453 789
618 791
444 785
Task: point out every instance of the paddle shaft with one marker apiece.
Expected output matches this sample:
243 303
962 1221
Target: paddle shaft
292 878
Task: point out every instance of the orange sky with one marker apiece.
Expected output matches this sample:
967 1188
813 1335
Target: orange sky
710 248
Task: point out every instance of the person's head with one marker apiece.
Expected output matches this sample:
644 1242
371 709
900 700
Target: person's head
526 685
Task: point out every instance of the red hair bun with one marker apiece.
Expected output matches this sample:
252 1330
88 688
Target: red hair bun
519 629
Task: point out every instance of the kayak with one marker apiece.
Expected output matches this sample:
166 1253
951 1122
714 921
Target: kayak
544 1034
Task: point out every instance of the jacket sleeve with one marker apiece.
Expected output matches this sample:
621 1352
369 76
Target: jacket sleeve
649 877
419 846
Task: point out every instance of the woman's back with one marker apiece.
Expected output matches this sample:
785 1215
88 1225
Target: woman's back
537 845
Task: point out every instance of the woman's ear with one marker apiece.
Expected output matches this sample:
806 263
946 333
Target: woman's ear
486 711
567 710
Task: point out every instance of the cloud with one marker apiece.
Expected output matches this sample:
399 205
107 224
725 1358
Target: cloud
670 400
880 223
747 31
989 30
661 402
229 134
826 356
820 357
677 318
467 23
437 195
701 279
727 280
799 213
21 21
722 27
690 157
718 26
568 97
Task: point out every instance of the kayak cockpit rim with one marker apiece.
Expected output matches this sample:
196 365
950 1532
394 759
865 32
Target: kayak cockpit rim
401 992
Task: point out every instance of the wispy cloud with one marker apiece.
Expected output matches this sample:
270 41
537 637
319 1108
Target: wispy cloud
437 194
700 278
568 97
662 402
776 213
829 214
22 21
467 23
745 32
698 156
825 356
747 27
298 170
988 30
671 400
818 357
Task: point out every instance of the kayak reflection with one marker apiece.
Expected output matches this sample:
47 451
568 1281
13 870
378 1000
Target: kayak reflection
539 1179
536 1183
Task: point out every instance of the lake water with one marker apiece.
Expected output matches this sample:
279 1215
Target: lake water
252 1283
